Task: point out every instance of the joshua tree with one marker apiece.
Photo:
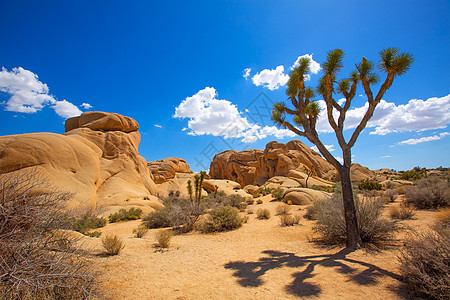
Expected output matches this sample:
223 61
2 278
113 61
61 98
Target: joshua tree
306 111
310 172
189 188
198 183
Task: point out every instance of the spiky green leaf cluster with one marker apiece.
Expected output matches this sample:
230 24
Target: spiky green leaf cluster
333 63
313 109
395 62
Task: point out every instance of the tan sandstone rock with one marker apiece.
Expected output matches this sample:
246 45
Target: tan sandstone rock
304 196
165 169
97 160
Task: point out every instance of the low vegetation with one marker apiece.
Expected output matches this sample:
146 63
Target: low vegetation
86 222
223 218
369 185
38 258
282 209
425 264
429 193
113 244
125 215
164 237
140 232
263 213
373 229
278 194
402 211
289 220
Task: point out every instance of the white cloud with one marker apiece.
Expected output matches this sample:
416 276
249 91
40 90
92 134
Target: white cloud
386 156
271 79
416 115
86 106
29 95
158 126
66 109
314 66
208 115
424 139
329 148
246 73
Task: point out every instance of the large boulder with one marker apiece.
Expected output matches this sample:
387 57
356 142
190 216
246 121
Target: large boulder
165 169
304 196
97 160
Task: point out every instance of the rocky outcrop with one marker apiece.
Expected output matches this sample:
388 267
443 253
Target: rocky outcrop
304 196
257 166
165 169
97 160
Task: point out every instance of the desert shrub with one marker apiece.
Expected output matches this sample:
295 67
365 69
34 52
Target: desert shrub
289 220
125 215
221 218
412 174
425 264
113 244
265 191
178 212
38 258
372 227
257 195
140 232
282 209
86 222
429 193
443 218
391 195
328 189
263 213
369 185
221 199
95 234
402 211
250 211
313 210
163 238
259 201
278 194
250 201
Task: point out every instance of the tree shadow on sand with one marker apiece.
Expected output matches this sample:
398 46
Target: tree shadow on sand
250 273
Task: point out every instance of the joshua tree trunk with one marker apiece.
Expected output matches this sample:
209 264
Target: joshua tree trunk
351 222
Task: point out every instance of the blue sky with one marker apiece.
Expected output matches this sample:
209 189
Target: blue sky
177 68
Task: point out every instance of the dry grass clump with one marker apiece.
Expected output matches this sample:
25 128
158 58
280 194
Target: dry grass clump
429 193
263 213
425 264
163 238
282 209
313 210
443 218
113 244
289 220
140 232
402 211
223 218
38 259
391 195
374 230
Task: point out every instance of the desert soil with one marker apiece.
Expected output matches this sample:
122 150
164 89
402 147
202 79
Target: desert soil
260 260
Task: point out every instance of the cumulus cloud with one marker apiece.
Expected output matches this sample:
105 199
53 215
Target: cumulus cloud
416 115
271 79
386 156
329 148
424 139
86 106
314 65
29 95
208 115
158 126
246 73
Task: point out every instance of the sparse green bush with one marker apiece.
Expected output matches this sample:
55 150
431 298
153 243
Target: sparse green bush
259 201
289 220
369 185
263 213
125 215
282 209
328 189
140 232
163 238
86 222
278 194
221 218
412 174
317 207
429 193
257 195
425 264
402 212
157 219
95 234
250 201
113 244
265 191
373 229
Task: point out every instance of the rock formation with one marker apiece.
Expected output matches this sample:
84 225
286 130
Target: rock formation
292 160
97 160
165 169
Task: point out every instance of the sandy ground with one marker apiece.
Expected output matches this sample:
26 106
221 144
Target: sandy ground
260 260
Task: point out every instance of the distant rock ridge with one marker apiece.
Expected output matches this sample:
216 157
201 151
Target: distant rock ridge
97 160
165 169
293 160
